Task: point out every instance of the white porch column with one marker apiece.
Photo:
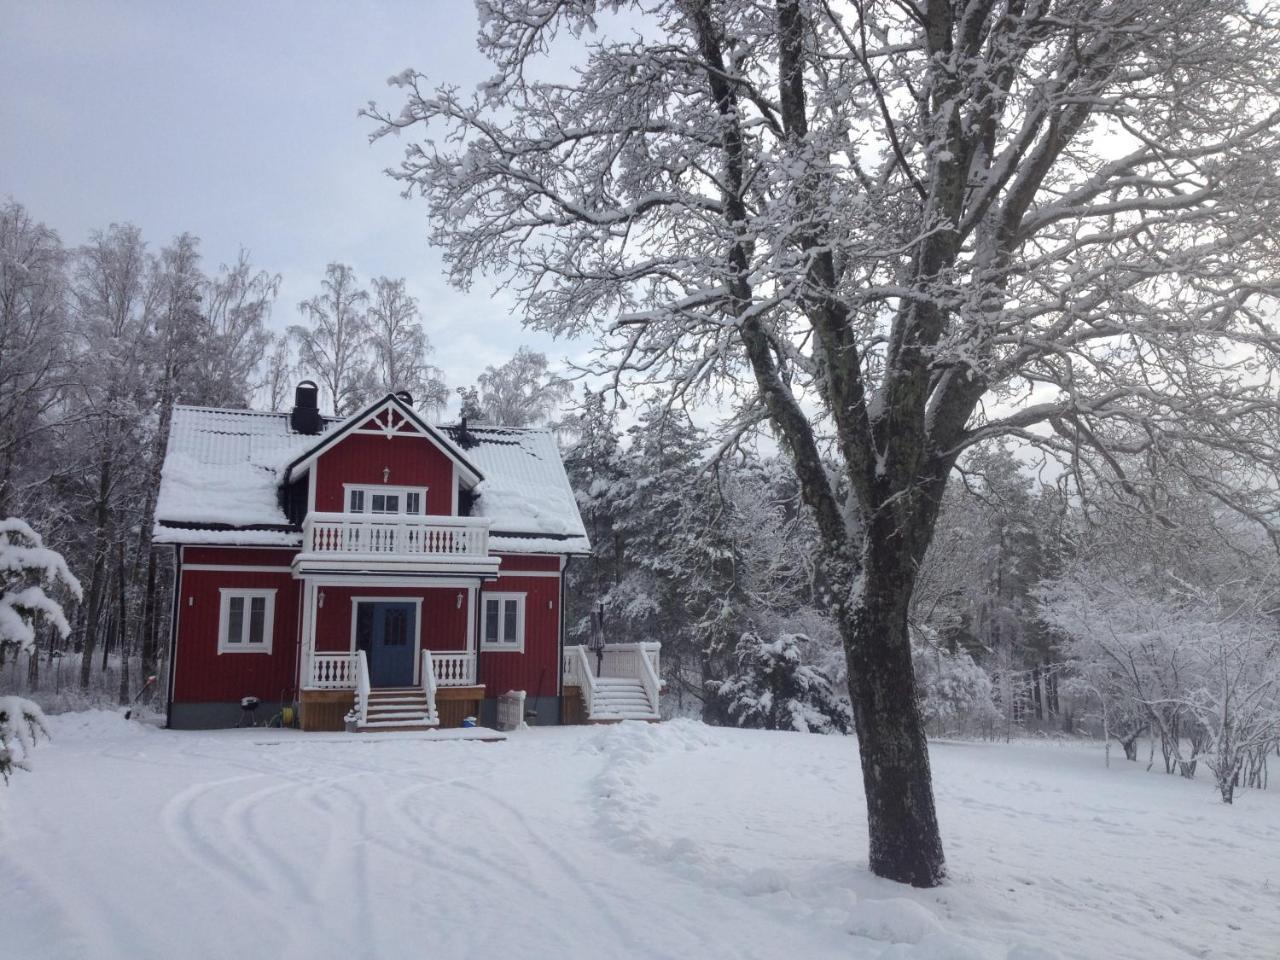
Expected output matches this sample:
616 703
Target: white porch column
308 630
471 620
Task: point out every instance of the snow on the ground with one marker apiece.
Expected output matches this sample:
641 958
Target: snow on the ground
637 841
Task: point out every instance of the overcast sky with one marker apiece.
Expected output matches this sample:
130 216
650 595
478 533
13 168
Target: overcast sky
237 121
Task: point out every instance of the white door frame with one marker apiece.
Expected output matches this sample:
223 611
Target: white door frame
417 629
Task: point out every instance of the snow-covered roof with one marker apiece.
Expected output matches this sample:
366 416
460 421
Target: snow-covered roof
526 490
223 470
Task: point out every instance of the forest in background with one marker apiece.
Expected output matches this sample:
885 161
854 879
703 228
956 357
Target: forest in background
1047 603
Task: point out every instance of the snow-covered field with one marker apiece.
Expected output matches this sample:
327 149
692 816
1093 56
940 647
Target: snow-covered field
634 841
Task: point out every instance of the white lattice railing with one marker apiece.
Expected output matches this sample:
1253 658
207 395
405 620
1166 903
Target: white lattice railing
453 669
338 533
363 688
332 671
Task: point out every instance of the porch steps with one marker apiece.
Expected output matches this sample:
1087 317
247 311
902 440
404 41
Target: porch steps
399 708
621 698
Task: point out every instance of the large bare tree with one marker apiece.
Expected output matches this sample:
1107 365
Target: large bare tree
890 229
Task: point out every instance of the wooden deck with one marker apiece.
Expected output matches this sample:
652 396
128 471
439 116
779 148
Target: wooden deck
323 710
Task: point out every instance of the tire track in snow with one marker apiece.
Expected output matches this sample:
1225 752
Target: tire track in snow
178 818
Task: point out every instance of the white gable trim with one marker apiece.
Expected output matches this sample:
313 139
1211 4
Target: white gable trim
379 408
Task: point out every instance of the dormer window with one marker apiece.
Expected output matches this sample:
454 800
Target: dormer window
384 500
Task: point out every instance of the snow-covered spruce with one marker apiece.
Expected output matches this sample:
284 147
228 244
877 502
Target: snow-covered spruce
21 722
774 689
28 572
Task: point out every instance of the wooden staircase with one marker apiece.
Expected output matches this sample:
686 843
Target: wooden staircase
399 708
621 698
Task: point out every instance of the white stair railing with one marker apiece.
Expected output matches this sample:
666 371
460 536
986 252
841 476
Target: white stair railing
583 675
429 685
649 679
363 688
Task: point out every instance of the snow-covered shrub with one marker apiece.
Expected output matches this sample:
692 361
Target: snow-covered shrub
27 570
21 721
774 689
953 690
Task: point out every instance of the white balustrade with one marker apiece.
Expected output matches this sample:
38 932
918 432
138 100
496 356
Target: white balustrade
400 535
332 671
454 669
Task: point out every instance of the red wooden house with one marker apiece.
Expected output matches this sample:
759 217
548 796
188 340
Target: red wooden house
410 574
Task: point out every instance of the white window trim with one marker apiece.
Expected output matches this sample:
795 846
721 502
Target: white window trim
371 488
501 647
268 620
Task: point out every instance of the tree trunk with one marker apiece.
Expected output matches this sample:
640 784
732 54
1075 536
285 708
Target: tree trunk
149 620
1130 745
122 609
146 552
96 587
905 842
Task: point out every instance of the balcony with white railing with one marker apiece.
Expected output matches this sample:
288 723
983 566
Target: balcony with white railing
431 541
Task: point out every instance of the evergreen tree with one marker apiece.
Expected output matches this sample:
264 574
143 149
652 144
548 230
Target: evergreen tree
772 688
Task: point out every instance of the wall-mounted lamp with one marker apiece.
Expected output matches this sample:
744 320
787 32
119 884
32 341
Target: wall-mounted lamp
459 601
386 474
191 601
321 599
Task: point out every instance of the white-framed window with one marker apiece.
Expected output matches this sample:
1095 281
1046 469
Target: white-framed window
502 621
382 499
245 619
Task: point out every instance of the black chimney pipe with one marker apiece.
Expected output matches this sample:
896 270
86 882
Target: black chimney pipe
305 416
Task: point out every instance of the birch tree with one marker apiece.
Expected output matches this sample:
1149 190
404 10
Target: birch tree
887 231
523 392
235 305
114 313
333 344
34 359
401 348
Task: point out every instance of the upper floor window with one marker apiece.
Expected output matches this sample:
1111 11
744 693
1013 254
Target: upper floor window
385 500
245 620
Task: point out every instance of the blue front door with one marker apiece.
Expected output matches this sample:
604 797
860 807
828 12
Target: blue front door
385 631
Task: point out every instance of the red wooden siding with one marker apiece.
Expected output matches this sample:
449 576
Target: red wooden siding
519 561
444 624
239 556
201 674
536 671
414 461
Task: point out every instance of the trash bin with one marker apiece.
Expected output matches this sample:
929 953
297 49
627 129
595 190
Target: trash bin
511 710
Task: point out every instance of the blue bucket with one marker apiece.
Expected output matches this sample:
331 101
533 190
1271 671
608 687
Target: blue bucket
468 721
